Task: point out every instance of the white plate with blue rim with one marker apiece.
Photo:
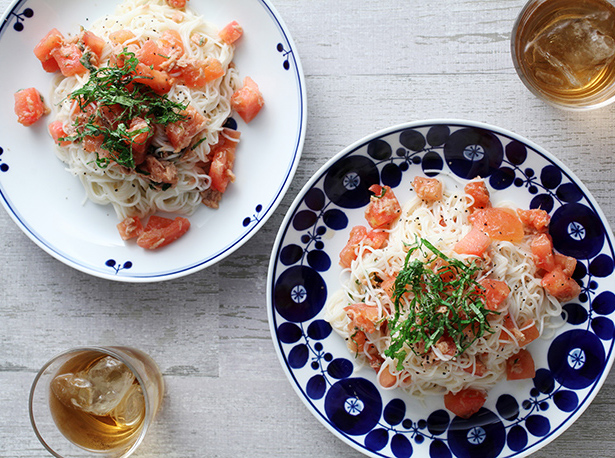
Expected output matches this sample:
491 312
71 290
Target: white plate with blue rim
519 417
48 203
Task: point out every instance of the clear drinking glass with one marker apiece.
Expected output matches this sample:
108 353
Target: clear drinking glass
95 401
564 51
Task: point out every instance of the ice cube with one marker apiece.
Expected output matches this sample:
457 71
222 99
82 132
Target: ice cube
97 390
571 52
132 407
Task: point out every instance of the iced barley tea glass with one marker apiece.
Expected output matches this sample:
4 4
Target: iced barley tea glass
564 51
95 401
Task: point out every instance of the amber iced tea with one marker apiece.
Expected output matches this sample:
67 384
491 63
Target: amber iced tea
564 51
100 399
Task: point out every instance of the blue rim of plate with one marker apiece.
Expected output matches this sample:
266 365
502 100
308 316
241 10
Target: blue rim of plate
516 420
16 16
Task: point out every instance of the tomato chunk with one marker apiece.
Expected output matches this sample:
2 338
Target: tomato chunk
53 40
383 207
363 316
428 189
535 219
465 403
376 239
231 32
566 263
29 106
348 253
177 3
56 130
172 44
473 243
182 132
198 74
542 252
93 42
479 193
520 366
151 55
499 224
248 100
130 227
68 57
160 81
121 36
495 293
157 222
157 238
560 285
223 159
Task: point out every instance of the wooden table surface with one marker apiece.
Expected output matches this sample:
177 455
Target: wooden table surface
368 65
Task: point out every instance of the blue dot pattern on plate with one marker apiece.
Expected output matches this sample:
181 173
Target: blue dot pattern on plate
387 423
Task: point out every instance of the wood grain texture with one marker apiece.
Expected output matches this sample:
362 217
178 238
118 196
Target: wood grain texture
368 66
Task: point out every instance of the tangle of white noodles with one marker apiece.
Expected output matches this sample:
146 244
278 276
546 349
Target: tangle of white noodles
504 261
129 193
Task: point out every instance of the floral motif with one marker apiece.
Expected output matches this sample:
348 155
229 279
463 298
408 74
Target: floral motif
20 18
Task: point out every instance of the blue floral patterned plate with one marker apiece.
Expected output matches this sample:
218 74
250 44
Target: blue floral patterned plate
519 417
47 202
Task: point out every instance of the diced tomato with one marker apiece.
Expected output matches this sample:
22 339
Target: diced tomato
177 3
446 346
560 285
478 368
140 141
385 378
121 36
92 144
520 366
160 81
151 55
376 239
348 254
198 74
231 32
68 57
479 193
356 342
182 132
223 159
56 130
524 336
499 224
473 243
388 285
428 189
159 171
566 263
542 252
535 219
93 42
466 402
130 227
530 333
172 44
157 222
509 324
29 106
248 100
495 293
157 238
363 316
383 207
53 40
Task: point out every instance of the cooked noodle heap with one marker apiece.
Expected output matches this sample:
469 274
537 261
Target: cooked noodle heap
133 194
442 223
